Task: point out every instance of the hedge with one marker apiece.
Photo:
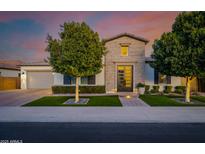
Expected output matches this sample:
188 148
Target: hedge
167 89
147 87
180 89
82 89
155 89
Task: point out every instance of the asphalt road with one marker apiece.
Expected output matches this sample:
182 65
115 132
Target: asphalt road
102 132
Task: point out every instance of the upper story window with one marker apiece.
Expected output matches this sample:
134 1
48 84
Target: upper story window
124 50
90 80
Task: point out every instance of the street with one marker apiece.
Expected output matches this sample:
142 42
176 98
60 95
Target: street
40 132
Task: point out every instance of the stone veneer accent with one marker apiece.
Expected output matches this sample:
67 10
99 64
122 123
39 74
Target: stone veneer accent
136 57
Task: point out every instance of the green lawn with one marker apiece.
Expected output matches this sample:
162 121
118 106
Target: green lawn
199 98
59 100
156 100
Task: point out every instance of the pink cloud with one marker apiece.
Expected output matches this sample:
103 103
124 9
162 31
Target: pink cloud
144 22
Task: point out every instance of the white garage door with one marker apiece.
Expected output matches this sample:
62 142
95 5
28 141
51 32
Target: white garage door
39 80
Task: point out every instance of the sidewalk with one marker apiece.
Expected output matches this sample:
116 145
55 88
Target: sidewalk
104 114
133 101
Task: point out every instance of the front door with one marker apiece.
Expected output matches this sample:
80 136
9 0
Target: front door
124 78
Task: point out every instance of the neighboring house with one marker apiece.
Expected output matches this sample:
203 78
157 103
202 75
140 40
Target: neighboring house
9 75
125 65
10 68
9 72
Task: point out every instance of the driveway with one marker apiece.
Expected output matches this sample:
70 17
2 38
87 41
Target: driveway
20 97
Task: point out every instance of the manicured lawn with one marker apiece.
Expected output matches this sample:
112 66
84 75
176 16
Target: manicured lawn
199 98
59 100
166 101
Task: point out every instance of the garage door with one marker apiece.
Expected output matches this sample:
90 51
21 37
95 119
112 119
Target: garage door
39 80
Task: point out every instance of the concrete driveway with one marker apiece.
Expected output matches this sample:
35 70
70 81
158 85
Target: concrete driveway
20 97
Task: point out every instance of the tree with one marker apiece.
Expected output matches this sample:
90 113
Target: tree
181 52
78 52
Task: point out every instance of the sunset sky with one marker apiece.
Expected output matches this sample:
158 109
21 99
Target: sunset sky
23 34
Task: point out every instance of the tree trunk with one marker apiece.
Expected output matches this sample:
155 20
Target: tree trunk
188 87
77 89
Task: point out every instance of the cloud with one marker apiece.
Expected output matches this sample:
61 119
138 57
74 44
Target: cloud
23 34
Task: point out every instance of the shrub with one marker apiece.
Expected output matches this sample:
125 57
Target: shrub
195 93
155 89
167 89
180 89
83 89
140 85
147 92
147 87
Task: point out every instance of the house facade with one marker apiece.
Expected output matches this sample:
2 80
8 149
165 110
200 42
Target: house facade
125 65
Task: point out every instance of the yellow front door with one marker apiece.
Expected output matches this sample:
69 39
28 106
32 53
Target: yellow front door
124 78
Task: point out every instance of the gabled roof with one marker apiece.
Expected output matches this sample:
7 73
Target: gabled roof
128 35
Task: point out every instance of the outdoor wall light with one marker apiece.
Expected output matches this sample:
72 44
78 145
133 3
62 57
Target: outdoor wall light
128 96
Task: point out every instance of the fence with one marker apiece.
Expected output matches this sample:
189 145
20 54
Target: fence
7 83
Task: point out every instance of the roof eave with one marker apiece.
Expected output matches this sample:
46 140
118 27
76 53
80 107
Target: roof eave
128 35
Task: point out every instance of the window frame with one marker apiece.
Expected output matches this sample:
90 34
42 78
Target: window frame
157 79
162 81
71 84
88 81
121 50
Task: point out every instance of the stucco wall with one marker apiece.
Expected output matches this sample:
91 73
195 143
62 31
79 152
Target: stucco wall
57 77
194 84
136 58
9 73
100 80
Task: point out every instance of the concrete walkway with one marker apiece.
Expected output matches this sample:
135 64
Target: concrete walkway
134 101
104 114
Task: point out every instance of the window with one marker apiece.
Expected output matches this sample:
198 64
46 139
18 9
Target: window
88 80
124 50
161 79
68 80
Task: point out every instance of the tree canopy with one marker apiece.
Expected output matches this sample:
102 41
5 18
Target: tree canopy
182 51
78 51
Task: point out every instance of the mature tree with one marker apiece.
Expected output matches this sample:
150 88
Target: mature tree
182 52
78 52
